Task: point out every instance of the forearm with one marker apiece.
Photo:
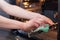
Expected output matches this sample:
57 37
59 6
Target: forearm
10 24
17 11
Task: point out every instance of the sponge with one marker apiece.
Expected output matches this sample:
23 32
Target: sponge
43 28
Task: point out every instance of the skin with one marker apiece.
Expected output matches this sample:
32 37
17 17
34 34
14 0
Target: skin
35 19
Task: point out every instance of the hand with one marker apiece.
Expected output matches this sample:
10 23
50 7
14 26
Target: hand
32 24
36 22
46 19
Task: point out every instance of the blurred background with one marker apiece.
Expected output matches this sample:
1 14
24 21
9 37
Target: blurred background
48 8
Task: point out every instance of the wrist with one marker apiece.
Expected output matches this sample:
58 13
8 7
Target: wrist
24 27
20 25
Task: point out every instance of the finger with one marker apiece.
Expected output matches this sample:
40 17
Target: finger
36 24
49 21
40 22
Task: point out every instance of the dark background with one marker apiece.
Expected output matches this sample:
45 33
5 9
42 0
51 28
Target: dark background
58 38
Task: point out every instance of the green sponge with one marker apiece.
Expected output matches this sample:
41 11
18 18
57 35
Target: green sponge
43 28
